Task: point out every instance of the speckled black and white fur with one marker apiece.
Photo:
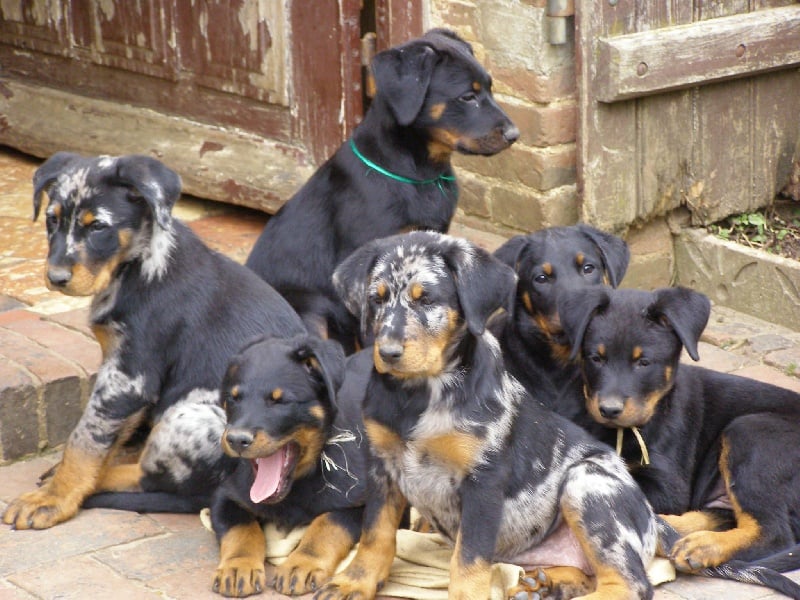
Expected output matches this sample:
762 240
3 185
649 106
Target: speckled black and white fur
453 434
168 313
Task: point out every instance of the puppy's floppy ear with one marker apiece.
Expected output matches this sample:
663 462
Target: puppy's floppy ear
441 36
47 173
483 283
510 252
159 185
326 358
613 249
402 76
685 311
576 312
350 280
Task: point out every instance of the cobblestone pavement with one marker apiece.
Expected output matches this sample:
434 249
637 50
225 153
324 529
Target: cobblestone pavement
48 359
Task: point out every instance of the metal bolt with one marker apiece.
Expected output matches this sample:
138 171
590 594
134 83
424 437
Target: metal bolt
740 50
641 69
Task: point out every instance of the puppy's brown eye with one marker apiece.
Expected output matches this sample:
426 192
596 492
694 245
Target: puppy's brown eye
541 278
642 362
468 97
588 268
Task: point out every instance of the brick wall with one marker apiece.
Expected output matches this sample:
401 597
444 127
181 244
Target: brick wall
532 184
47 371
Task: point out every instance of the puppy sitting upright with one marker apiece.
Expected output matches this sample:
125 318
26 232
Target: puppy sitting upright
168 314
393 175
717 452
453 434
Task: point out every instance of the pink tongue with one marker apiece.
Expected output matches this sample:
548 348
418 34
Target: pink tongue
268 476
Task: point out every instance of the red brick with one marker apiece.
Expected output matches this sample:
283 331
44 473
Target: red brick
770 375
28 551
76 347
717 359
12 316
41 362
516 209
537 168
181 564
21 476
472 197
77 319
560 206
231 234
555 166
61 396
652 238
63 403
480 237
544 125
532 86
83 573
19 422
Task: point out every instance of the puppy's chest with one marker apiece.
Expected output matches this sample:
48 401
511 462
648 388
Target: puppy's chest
435 457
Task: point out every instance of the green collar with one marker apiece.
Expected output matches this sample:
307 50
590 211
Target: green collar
437 180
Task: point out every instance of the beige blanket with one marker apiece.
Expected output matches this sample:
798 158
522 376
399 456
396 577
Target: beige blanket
421 569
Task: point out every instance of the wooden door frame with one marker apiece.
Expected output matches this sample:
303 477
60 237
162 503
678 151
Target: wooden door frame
51 102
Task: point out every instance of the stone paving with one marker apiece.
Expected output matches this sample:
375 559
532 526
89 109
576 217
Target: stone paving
48 359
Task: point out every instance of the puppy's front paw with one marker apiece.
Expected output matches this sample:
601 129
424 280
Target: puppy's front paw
700 550
300 575
39 510
346 587
240 577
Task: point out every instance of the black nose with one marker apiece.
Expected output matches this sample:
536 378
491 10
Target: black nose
611 411
238 439
59 276
390 352
511 133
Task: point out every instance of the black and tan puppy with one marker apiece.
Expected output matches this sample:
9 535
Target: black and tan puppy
433 98
451 432
718 452
299 462
168 313
550 263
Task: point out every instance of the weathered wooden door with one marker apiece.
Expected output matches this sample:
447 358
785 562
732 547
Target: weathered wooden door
243 97
693 103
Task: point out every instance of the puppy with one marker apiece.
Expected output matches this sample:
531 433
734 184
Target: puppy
298 462
550 263
168 314
451 432
393 175
715 451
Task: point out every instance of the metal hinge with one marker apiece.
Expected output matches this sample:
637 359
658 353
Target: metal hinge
558 13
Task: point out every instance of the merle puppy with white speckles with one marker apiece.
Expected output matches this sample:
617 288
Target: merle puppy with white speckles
453 434
168 313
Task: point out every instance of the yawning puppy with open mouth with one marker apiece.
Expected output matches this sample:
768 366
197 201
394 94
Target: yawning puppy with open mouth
292 440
